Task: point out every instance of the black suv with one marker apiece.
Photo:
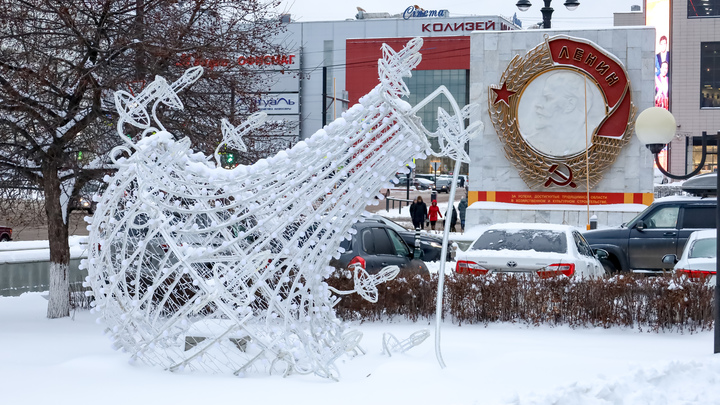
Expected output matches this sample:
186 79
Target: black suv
378 246
663 228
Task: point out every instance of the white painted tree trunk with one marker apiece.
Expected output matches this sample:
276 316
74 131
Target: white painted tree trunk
59 305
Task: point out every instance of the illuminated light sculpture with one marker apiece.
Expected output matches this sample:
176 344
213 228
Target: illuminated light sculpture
196 267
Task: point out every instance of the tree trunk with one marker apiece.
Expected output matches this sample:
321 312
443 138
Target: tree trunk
59 303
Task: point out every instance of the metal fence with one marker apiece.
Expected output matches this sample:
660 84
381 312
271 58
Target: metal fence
390 203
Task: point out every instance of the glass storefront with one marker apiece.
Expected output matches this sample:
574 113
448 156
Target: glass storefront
424 82
695 154
710 75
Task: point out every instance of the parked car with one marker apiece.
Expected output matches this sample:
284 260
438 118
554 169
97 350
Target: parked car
419 184
661 229
5 234
699 258
443 184
545 250
423 184
85 201
376 246
430 245
430 177
402 181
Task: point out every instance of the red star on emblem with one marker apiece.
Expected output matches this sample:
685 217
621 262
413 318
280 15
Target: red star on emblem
503 94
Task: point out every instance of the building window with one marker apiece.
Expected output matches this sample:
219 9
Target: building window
703 8
710 159
424 82
710 74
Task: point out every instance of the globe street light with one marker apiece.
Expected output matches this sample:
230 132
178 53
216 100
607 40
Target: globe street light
655 128
524 5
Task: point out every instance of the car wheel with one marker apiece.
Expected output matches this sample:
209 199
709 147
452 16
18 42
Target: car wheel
4 238
609 266
414 267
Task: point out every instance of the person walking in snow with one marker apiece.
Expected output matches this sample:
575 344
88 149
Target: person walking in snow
453 220
419 213
413 206
433 214
462 207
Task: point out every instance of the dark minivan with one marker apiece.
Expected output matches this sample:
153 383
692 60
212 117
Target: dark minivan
662 228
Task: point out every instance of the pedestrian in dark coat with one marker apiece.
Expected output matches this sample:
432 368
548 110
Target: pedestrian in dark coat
462 207
413 206
453 219
419 214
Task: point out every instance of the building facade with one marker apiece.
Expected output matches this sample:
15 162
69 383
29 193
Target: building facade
335 63
689 30
695 72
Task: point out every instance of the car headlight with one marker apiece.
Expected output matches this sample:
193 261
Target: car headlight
436 245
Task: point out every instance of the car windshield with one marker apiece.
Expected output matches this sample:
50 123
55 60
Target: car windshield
538 240
704 248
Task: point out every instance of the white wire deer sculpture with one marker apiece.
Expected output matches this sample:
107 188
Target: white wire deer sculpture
198 267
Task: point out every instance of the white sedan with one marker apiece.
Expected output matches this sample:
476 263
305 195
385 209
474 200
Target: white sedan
545 250
699 257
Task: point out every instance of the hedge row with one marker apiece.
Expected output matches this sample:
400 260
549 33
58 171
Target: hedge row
666 303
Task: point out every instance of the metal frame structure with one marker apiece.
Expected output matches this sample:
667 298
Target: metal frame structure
197 267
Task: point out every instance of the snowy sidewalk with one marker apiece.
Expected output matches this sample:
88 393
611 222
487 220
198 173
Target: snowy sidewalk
498 364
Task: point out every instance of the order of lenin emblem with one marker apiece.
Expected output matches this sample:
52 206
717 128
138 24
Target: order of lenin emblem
563 112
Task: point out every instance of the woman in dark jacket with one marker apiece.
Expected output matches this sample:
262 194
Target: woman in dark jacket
412 211
453 220
419 213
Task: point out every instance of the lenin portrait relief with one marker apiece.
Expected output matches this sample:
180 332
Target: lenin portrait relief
552 111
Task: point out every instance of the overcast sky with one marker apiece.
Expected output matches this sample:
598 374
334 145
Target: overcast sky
590 13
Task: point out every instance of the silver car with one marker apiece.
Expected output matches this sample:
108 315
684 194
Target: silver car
699 258
543 250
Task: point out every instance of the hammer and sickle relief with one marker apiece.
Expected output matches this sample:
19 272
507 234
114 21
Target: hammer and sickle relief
561 178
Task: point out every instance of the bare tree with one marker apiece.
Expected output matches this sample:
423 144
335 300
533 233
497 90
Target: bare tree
60 62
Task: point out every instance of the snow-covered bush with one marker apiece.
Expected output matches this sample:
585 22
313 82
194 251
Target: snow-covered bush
665 303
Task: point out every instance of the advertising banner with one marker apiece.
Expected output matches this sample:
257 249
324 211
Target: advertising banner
658 16
275 103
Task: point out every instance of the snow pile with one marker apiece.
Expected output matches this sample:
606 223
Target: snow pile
679 382
69 360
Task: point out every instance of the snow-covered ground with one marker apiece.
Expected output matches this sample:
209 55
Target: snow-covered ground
39 250
69 361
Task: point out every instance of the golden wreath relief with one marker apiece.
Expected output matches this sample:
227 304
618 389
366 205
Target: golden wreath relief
563 112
